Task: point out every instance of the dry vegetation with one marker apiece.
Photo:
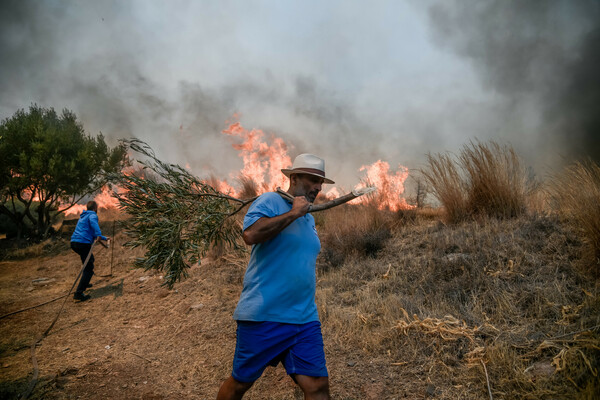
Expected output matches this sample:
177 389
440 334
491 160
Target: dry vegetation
484 179
576 195
503 303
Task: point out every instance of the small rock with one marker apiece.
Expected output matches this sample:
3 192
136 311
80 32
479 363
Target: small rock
102 385
66 349
81 376
30 289
430 390
144 278
107 347
197 306
351 363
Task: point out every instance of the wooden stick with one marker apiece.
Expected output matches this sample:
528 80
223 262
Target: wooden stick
36 371
332 203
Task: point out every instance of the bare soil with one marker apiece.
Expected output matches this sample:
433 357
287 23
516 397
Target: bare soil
135 339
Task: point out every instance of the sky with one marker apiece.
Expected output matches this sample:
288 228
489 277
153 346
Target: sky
351 81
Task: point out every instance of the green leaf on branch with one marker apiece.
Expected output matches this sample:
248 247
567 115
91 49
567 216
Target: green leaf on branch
174 215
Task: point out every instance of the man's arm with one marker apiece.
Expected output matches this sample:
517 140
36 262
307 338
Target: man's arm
96 228
267 228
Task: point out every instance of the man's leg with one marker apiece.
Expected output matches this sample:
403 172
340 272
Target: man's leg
232 389
82 249
86 275
314 388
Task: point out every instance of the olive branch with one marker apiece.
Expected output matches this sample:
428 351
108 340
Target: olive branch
174 215
178 218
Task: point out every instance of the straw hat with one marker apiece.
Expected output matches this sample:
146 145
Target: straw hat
308 164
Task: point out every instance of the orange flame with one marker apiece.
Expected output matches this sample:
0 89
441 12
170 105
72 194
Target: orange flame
104 199
75 210
390 186
262 161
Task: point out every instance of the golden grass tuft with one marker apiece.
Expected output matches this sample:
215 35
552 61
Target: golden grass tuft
456 305
485 179
249 188
576 195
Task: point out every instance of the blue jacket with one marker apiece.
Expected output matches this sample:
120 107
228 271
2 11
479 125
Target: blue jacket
87 229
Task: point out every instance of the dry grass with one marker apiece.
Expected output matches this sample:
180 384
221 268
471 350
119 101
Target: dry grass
440 301
484 179
356 231
576 196
430 309
249 188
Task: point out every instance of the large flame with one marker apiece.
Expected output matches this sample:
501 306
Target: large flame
264 156
390 185
104 199
262 161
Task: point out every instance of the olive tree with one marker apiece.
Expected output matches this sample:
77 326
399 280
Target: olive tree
49 164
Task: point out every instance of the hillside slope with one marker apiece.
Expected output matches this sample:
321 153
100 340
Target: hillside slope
425 316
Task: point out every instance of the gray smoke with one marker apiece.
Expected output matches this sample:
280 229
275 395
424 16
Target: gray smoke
542 56
352 83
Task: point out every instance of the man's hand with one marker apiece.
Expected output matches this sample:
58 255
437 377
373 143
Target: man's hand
300 206
267 228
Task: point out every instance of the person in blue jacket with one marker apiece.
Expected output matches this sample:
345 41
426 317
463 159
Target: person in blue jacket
277 318
86 232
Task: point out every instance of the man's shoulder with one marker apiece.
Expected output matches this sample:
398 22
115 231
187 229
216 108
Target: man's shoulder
271 198
269 204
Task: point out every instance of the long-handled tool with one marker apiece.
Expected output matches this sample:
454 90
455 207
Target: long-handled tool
34 379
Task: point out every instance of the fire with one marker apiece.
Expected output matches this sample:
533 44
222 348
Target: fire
265 155
75 210
390 186
262 161
104 199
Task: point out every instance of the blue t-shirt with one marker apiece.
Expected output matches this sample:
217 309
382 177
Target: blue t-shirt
87 229
280 281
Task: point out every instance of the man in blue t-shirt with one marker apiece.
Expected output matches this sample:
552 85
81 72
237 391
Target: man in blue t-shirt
86 232
277 319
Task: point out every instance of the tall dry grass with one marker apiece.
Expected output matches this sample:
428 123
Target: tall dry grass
576 195
353 231
440 301
485 179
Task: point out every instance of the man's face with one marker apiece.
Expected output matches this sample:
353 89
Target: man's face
308 186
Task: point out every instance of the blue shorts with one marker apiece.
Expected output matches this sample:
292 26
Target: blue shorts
299 347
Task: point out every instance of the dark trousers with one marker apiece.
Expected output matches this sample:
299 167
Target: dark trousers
83 249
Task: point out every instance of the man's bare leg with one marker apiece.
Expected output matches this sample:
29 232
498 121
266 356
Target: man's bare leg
314 388
232 389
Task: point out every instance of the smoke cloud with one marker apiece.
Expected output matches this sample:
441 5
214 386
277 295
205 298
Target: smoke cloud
542 57
351 83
